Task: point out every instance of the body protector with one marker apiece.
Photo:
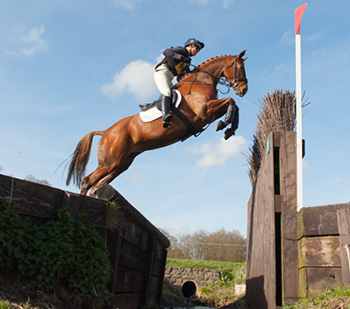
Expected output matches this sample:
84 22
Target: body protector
177 60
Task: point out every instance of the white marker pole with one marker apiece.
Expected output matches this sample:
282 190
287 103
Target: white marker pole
298 16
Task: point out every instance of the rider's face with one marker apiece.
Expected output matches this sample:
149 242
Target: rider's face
194 50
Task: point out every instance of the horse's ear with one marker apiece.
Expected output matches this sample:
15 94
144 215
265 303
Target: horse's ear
242 54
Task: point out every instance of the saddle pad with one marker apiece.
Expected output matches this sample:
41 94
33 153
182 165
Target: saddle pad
154 113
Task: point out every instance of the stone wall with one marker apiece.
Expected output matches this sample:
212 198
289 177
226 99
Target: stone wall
177 276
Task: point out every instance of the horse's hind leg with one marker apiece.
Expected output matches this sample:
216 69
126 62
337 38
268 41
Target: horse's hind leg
105 180
94 177
114 172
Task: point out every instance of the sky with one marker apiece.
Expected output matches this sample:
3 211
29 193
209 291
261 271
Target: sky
71 67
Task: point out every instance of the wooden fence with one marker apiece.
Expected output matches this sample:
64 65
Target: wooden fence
320 260
137 249
292 254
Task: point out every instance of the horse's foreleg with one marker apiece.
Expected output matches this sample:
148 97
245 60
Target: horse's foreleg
219 107
231 115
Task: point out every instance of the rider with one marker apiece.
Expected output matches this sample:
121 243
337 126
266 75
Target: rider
175 62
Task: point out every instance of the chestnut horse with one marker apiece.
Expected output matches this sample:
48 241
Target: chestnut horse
122 142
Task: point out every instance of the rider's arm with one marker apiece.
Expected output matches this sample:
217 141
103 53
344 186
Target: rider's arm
174 52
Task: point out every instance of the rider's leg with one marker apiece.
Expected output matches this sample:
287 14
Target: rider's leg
167 118
163 79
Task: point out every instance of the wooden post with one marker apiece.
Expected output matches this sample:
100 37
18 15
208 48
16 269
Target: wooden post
272 257
343 216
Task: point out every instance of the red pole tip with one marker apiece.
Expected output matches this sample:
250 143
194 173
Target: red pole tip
298 16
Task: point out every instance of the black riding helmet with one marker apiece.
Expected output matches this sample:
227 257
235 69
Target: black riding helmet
195 42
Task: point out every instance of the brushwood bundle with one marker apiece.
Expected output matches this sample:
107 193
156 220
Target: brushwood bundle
277 113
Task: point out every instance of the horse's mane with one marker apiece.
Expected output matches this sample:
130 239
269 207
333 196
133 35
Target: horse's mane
198 68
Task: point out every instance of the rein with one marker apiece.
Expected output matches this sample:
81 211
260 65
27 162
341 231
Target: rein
221 80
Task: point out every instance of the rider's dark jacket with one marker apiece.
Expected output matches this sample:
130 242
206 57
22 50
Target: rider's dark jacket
173 60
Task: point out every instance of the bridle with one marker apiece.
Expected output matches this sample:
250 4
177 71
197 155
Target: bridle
221 79
234 83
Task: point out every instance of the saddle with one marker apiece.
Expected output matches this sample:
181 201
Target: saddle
153 111
157 103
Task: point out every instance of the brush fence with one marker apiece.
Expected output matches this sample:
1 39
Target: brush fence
291 255
137 249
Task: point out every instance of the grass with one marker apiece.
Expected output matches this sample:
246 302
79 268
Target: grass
330 299
217 265
4 304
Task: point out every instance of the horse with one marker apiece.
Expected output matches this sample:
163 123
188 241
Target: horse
130 136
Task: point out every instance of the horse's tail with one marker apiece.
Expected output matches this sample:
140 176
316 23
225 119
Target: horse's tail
80 158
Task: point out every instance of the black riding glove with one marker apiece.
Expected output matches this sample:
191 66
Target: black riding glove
186 59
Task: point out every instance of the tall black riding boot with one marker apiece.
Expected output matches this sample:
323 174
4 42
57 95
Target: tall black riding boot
167 117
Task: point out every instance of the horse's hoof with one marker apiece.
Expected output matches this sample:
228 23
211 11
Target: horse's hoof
220 125
228 133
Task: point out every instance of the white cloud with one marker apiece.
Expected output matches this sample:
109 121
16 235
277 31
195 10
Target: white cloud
218 154
225 3
200 2
339 181
135 176
33 42
136 78
287 38
126 4
314 37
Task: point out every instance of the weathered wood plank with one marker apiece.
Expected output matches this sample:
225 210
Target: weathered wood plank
303 284
129 281
133 257
136 235
108 193
261 256
314 281
343 218
40 201
321 220
30 198
94 209
289 215
153 285
319 252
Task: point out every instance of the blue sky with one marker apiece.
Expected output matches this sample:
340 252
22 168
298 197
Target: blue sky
71 67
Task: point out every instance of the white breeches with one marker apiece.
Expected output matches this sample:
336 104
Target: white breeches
163 78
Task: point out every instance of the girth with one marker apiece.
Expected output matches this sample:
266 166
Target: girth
190 129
